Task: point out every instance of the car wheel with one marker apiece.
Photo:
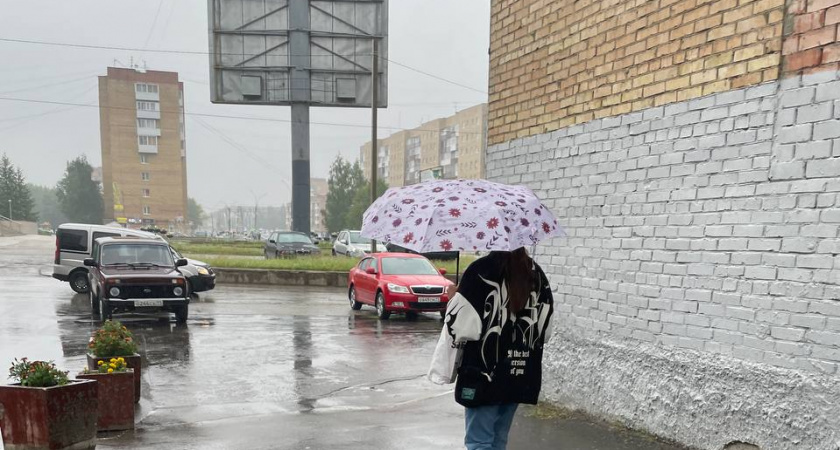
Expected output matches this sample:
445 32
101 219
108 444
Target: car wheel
333 252
353 302
410 315
381 312
276 255
79 282
105 310
94 303
182 313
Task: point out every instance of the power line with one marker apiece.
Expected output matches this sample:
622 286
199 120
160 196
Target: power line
191 52
225 116
154 22
239 147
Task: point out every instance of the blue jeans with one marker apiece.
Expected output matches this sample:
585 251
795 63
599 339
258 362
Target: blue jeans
488 426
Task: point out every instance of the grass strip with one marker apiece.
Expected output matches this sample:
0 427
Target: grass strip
310 263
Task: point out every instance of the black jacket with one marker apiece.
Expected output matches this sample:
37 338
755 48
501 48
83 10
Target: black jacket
505 364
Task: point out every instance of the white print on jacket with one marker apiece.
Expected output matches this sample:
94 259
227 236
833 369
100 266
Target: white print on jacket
531 323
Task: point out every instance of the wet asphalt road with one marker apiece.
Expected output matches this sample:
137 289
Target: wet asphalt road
266 368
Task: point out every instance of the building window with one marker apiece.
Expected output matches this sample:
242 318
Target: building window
148 140
148 123
146 210
144 158
143 105
145 87
146 193
144 176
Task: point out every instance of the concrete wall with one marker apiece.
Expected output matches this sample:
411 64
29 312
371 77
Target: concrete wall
698 287
16 228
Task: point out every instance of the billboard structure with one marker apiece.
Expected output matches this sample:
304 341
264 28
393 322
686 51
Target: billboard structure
299 53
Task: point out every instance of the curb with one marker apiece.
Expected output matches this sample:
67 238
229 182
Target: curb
226 275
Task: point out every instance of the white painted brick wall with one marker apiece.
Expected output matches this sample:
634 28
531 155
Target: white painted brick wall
714 216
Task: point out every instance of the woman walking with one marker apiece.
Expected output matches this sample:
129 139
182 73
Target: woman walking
500 319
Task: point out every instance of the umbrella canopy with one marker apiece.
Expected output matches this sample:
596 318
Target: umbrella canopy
463 215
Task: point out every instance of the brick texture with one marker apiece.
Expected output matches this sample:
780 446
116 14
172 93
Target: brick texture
558 63
711 224
811 37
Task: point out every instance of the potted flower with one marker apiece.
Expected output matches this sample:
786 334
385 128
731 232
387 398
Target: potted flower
116 393
45 410
114 340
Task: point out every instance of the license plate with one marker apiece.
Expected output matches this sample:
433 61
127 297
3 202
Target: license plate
428 299
148 303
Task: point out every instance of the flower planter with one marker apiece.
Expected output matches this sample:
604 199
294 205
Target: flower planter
116 399
52 418
132 361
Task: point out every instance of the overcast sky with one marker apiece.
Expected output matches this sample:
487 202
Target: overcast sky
447 38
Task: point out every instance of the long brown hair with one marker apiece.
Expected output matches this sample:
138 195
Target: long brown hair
519 277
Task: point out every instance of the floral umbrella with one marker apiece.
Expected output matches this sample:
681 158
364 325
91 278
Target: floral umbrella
462 215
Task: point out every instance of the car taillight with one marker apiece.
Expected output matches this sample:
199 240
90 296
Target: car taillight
57 251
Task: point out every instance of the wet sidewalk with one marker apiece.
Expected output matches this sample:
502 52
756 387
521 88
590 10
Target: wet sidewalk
545 427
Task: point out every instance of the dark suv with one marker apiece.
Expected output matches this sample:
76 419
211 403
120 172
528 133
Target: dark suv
132 274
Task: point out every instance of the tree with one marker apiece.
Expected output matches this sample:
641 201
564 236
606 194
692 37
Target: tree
345 179
47 205
195 213
79 195
361 201
13 187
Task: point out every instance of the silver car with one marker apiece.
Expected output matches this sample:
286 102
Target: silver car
351 243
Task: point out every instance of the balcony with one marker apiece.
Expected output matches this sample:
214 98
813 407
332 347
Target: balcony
148 131
144 148
146 114
152 96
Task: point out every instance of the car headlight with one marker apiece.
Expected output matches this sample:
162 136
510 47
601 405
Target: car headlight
114 291
178 290
397 288
203 271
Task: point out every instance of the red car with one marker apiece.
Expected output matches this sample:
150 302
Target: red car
398 283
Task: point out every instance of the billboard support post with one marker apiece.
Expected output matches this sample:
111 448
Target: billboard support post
300 95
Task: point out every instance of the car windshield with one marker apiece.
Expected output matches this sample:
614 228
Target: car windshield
356 238
292 238
135 254
407 266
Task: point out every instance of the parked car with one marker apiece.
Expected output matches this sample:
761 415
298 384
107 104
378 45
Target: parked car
74 242
200 276
398 283
351 243
289 243
130 274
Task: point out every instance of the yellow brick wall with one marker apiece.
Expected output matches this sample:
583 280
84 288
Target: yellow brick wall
555 63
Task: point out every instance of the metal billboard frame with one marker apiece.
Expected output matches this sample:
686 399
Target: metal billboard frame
335 51
297 53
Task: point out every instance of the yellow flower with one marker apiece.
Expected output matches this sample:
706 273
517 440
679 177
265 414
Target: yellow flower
100 362
110 370
112 365
120 359
113 360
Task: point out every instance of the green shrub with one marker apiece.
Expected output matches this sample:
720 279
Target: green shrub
37 373
112 340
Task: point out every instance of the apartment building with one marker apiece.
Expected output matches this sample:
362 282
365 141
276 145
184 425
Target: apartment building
144 169
451 147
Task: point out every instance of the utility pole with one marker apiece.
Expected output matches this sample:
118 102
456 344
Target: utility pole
374 142
230 229
10 209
